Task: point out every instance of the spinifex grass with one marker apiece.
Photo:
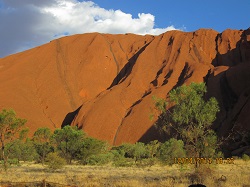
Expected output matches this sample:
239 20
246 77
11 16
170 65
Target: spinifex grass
176 175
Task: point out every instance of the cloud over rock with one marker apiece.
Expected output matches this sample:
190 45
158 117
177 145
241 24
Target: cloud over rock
33 22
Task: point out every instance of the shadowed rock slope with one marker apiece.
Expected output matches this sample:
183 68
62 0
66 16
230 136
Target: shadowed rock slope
104 83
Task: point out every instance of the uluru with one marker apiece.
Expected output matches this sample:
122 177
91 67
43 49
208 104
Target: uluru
104 83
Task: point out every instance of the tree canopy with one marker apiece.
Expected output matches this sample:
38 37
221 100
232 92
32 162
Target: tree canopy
10 127
68 141
188 112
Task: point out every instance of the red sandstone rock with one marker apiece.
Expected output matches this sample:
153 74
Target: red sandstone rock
109 80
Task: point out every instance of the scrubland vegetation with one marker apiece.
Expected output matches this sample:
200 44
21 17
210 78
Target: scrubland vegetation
235 175
69 156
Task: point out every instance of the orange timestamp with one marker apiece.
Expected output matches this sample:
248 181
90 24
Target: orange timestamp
203 160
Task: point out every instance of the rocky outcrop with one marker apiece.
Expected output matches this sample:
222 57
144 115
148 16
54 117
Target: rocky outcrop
104 83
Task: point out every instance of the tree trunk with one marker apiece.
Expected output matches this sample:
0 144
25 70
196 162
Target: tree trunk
43 158
5 163
5 159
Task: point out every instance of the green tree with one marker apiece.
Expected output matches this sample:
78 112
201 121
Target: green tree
10 127
136 151
170 150
22 150
191 116
139 151
42 142
69 142
153 148
89 147
125 150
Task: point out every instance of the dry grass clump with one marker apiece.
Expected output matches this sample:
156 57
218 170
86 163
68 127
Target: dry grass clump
234 175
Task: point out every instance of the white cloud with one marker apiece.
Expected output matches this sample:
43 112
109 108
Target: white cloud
33 22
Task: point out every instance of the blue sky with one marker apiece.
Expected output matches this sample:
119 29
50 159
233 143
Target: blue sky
28 23
193 14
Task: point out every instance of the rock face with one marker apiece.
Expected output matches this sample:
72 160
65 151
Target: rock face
104 83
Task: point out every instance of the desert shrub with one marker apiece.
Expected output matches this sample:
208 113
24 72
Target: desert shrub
245 157
14 161
91 147
22 150
11 161
170 150
218 154
54 161
117 154
153 148
134 154
147 162
100 159
201 174
123 150
124 162
136 151
28 152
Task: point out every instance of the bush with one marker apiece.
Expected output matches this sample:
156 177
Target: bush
14 161
123 150
100 159
54 162
147 162
153 148
218 154
124 162
21 151
139 151
201 174
117 154
91 147
170 150
136 151
245 157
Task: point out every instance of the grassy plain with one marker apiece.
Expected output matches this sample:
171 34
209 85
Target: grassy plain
228 175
